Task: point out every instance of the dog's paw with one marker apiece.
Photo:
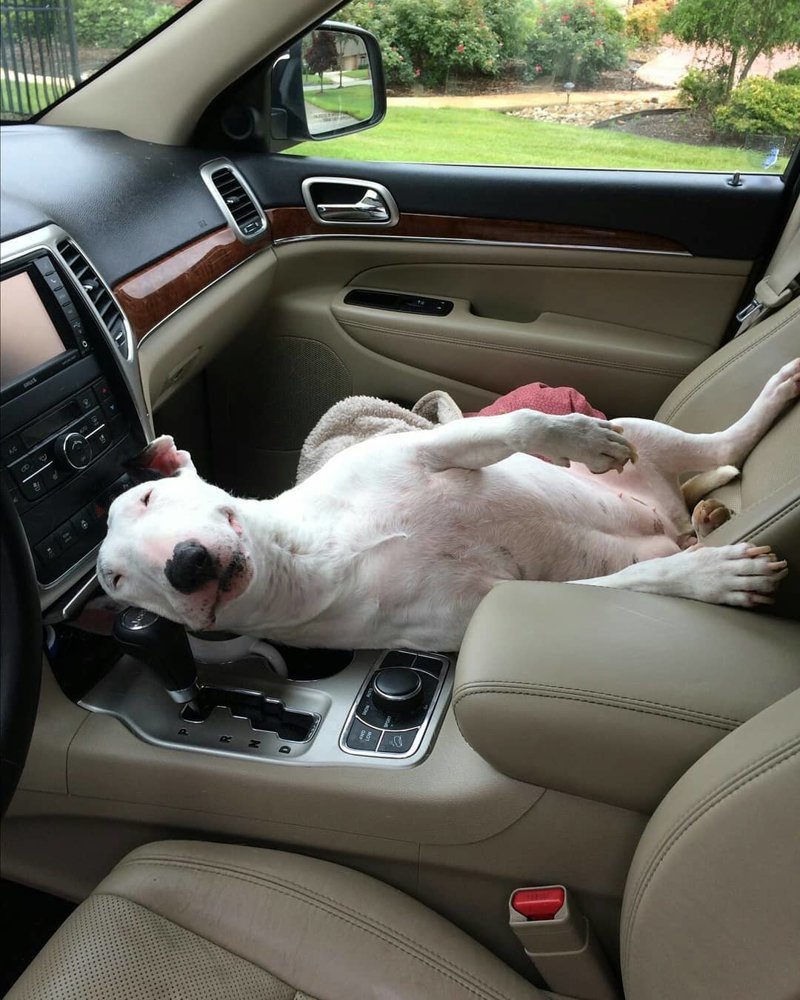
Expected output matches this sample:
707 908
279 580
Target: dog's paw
784 386
600 445
741 575
709 515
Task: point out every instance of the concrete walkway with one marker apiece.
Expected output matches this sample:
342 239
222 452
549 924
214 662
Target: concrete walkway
671 65
533 99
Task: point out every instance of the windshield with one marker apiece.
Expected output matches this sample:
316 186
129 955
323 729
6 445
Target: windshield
49 47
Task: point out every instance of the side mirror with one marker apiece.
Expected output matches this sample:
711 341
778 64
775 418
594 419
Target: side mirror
329 83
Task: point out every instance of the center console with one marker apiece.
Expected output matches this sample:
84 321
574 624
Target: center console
383 708
68 401
72 413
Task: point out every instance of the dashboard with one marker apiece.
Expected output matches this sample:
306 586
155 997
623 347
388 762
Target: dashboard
69 402
102 238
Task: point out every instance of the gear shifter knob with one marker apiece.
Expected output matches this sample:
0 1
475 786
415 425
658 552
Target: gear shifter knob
164 646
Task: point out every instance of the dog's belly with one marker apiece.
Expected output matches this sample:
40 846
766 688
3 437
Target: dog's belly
423 550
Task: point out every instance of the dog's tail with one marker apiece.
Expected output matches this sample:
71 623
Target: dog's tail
697 487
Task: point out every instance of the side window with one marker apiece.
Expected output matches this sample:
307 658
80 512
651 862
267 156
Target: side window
643 84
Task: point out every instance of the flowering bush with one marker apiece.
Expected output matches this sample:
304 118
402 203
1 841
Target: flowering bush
644 21
425 40
577 39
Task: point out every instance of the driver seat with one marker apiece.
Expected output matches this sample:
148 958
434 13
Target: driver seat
711 909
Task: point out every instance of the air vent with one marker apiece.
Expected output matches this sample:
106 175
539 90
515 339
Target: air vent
98 292
235 199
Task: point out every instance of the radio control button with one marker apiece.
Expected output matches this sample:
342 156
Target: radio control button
53 281
63 299
45 266
74 449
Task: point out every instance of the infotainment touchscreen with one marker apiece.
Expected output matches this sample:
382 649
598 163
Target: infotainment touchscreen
28 337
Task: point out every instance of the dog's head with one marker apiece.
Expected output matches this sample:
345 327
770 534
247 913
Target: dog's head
175 544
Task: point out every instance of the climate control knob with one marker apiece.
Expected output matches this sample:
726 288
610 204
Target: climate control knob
74 450
397 690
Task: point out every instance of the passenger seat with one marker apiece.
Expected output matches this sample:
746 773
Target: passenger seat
766 497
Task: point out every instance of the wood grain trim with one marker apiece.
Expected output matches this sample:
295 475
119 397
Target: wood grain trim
288 223
150 295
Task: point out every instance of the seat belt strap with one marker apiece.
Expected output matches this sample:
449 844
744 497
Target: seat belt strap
776 287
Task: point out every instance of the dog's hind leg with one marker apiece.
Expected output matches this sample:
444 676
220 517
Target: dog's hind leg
740 575
675 451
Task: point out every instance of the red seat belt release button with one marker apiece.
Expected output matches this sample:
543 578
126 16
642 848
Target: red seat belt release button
539 904
558 940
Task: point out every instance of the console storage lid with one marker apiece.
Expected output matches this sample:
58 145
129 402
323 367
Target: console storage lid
609 694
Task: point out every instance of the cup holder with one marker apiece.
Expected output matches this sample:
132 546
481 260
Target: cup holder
314 664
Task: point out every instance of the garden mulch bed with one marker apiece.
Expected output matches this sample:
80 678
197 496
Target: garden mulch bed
672 126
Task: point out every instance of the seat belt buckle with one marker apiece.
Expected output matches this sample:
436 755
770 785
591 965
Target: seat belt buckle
749 310
558 939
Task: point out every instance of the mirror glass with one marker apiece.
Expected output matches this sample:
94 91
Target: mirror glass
337 84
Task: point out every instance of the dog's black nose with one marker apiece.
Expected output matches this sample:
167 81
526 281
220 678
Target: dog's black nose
191 567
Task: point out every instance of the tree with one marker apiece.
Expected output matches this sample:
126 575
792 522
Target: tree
322 54
742 29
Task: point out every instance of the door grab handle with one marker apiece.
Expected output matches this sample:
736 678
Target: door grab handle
371 208
375 208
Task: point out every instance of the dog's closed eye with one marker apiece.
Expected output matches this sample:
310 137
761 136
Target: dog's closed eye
116 580
146 497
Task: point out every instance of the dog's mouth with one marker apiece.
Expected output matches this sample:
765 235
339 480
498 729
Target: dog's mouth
231 583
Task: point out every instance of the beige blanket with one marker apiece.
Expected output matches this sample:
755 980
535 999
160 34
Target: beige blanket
360 417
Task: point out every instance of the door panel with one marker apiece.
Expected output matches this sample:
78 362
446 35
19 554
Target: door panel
616 282
701 212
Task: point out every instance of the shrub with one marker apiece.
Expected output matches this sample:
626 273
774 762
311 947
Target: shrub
644 22
790 75
425 40
578 39
109 24
703 90
762 107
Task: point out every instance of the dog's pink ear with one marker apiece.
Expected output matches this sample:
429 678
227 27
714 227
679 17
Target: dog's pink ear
161 458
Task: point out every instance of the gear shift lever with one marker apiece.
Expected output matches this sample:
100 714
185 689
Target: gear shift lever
164 646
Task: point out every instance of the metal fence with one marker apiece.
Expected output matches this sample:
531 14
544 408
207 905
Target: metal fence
38 56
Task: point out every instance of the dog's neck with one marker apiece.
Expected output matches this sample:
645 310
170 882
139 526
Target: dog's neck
296 570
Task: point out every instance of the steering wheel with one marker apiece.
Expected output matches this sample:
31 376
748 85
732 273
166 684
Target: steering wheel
20 648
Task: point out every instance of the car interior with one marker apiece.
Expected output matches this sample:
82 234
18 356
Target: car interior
598 795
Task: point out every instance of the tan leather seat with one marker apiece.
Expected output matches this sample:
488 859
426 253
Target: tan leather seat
766 497
711 912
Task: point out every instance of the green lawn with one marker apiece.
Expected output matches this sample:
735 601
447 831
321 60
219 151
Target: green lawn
455 135
356 101
34 97
357 74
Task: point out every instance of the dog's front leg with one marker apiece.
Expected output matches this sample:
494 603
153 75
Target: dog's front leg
741 575
476 442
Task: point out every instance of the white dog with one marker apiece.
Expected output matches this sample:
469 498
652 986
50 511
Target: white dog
395 540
